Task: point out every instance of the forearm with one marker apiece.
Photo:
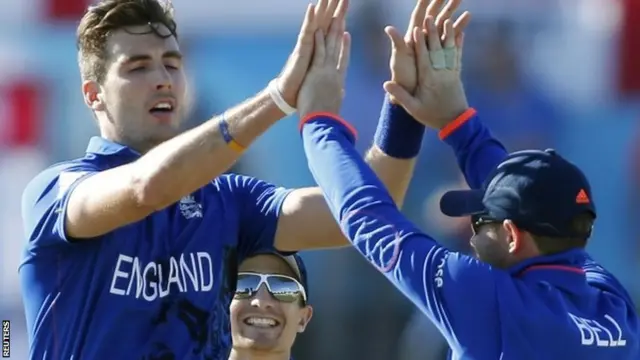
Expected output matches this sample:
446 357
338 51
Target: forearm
401 136
394 173
396 146
189 161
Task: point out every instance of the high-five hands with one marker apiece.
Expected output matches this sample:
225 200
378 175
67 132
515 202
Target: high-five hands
318 17
425 64
322 89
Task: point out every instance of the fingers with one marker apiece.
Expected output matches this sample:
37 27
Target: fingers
334 40
417 17
341 10
402 97
319 51
448 35
397 41
449 40
436 54
321 14
422 53
326 10
434 8
345 54
459 45
333 5
461 22
446 13
308 27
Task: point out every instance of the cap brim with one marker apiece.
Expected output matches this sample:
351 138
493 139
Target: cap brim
289 259
459 203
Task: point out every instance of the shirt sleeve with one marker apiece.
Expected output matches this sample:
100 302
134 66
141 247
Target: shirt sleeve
259 204
45 201
455 291
477 151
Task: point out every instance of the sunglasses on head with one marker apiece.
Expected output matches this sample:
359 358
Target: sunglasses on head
281 287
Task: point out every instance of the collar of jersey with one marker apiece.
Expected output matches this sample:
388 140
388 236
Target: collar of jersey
571 261
101 146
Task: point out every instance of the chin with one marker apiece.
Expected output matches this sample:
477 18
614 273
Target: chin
259 344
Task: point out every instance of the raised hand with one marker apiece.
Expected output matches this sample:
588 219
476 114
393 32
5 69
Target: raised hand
402 61
317 17
439 96
322 89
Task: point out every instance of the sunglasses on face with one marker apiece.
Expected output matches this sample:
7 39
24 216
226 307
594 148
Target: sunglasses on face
282 288
478 221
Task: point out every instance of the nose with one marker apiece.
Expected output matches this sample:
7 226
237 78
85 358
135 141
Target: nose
162 79
263 299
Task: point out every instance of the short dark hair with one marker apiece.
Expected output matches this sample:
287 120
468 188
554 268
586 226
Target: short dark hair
108 16
581 224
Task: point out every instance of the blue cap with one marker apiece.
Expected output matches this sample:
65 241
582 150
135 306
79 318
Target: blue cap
540 191
297 265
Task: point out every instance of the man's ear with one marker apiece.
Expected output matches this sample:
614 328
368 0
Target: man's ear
514 235
306 313
92 94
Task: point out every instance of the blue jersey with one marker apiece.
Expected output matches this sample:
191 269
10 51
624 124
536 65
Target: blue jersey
563 306
159 288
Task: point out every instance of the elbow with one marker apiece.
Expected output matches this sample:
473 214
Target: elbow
147 192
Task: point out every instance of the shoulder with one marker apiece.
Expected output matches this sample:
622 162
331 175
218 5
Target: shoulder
56 179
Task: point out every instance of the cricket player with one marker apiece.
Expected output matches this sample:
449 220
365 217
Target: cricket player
132 250
269 308
531 292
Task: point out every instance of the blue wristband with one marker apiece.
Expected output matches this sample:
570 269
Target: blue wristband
398 134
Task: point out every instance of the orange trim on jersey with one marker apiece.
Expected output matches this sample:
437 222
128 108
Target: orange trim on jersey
455 124
335 117
567 268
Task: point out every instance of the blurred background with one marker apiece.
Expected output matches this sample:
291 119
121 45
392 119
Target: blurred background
542 73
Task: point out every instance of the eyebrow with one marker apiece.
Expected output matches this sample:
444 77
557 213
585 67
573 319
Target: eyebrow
176 55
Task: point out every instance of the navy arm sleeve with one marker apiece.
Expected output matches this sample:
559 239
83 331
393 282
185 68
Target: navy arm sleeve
45 201
259 204
453 290
477 151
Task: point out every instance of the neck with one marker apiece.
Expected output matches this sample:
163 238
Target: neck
248 354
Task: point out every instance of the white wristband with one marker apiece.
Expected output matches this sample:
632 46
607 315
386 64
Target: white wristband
281 103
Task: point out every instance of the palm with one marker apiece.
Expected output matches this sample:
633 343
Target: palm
403 67
317 17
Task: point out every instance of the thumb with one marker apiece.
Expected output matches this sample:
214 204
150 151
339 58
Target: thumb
402 96
397 41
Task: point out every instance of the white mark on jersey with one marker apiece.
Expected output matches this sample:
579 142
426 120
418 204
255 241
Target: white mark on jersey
66 179
188 272
440 271
593 333
190 208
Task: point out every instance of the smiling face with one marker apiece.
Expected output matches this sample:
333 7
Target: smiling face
261 322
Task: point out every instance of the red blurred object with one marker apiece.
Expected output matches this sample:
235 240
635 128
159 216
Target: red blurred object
629 69
66 10
23 105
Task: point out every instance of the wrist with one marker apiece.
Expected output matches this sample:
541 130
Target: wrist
332 118
319 109
398 134
278 99
451 126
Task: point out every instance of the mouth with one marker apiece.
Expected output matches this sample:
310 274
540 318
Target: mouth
163 109
261 322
